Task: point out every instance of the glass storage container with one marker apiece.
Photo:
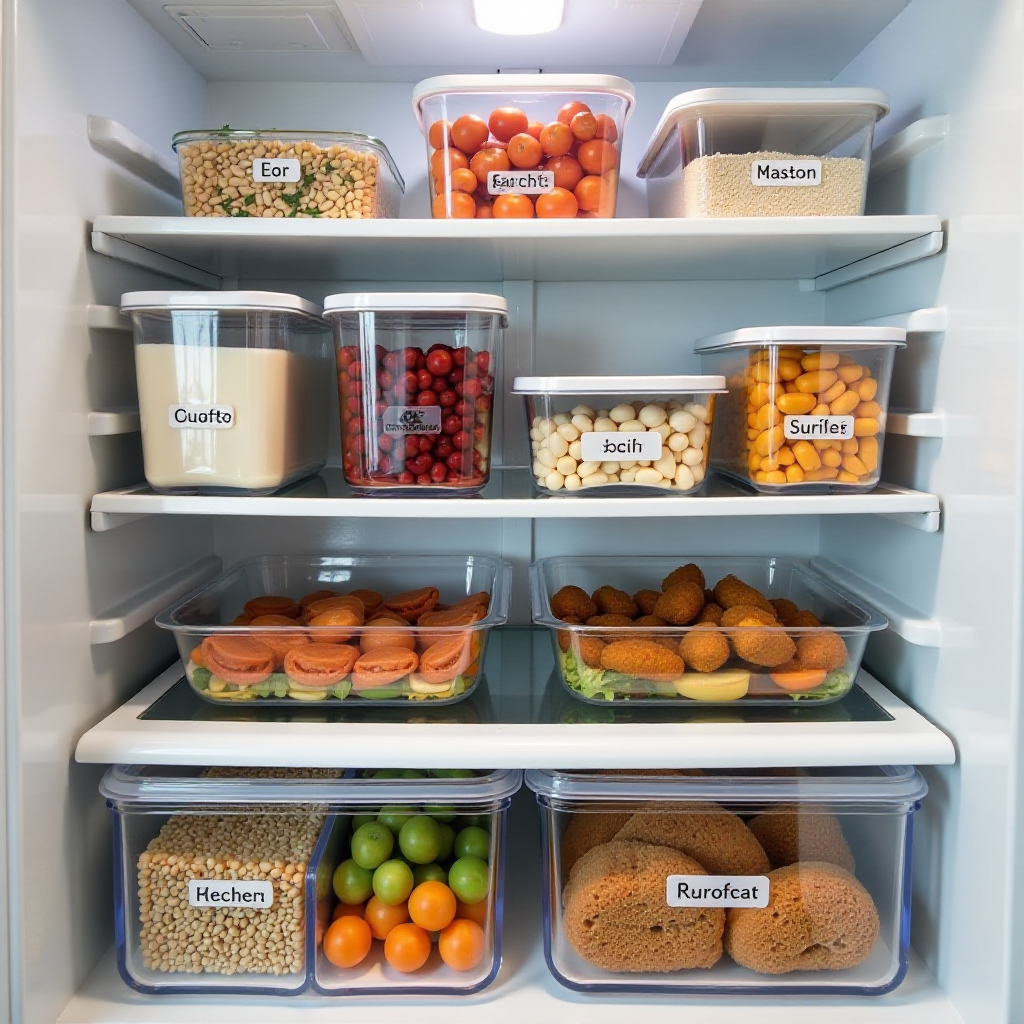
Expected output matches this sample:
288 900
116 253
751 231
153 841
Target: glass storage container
766 882
382 628
659 630
522 145
235 172
234 389
416 374
762 153
616 435
806 408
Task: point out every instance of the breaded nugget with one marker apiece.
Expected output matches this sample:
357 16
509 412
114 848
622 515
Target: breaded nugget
737 613
765 647
565 635
646 600
711 613
704 649
818 918
804 618
680 604
611 601
615 915
784 609
643 659
649 620
730 591
590 648
609 620
572 601
789 833
821 650
586 830
689 573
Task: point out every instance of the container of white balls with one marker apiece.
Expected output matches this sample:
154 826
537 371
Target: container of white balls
619 435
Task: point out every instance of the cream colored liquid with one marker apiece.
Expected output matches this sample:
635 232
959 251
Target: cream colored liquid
280 416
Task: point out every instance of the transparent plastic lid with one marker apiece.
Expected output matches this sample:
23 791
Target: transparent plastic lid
416 302
699 384
276 302
853 337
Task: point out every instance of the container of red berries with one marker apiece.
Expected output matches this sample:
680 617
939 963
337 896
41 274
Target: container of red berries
416 388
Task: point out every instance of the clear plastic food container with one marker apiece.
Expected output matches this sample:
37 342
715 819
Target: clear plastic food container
407 882
416 375
523 145
615 435
806 408
234 389
256 173
382 628
716 630
759 882
762 153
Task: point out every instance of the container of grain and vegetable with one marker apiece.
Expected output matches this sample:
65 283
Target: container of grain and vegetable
759 881
762 153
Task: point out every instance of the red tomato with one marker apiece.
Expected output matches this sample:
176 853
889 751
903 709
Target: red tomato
570 110
513 206
469 133
524 151
567 171
459 205
534 128
439 134
606 128
588 192
583 126
556 139
560 203
489 159
598 156
506 122
463 180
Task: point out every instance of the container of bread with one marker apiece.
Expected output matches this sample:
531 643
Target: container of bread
742 881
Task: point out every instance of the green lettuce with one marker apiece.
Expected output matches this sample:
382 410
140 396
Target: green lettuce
341 690
590 682
201 678
836 684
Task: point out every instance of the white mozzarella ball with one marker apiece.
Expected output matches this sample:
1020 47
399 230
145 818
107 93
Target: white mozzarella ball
576 450
609 468
627 476
569 431
692 456
557 445
566 465
652 415
604 423
573 482
666 465
582 410
684 477
546 458
682 422
632 427
585 469
698 436
698 410
648 475
595 479
554 480
622 413
698 473
583 423
664 429
677 442
560 418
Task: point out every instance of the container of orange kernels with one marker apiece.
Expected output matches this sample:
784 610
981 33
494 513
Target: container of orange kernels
523 146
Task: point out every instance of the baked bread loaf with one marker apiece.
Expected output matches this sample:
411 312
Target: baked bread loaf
789 834
587 830
818 918
615 915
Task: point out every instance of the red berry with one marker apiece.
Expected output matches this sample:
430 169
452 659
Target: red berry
483 362
439 362
448 398
384 379
385 465
472 387
487 383
459 357
462 440
409 383
451 424
424 480
461 407
379 352
424 378
353 405
426 443
406 478
454 461
385 442
438 472
483 403
426 398
439 385
456 376
409 357
444 448
412 446
392 361
454 476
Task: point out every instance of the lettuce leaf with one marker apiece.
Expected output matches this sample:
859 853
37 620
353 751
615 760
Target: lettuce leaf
201 677
836 684
341 690
590 682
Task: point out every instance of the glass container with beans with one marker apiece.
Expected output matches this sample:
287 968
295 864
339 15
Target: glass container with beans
416 378
806 406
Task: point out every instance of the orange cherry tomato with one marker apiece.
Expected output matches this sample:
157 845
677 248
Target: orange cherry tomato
803 679
456 205
567 171
524 151
606 128
598 156
347 941
506 122
534 128
478 912
560 203
513 206
490 159
347 910
556 139
444 161
439 134
462 945
570 110
382 919
432 906
583 126
464 180
469 133
588 191
407 947
484 212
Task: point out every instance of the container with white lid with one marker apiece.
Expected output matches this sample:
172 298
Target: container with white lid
744 152
523 145
233 387
416 377
806 407
620 435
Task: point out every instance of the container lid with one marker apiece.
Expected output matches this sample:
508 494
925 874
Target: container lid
278 302
698 384
415 302
752 102
853 337
884 784
540 84
148 784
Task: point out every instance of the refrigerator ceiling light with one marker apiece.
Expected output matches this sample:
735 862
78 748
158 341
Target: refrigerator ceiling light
522 18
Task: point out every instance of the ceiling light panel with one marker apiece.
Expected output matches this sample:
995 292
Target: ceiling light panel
264 28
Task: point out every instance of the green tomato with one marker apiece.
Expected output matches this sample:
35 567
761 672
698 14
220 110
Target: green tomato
358 820
447 841
392 882
372 844
420 839
470 842
468 820
440 813
429 873
395 817
469 878
352 884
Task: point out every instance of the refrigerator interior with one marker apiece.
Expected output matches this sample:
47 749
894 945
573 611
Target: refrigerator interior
960 586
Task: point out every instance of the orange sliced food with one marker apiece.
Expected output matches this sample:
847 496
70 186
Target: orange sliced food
238 659
799 680
317 666
383 666
272 604
413 603
276 639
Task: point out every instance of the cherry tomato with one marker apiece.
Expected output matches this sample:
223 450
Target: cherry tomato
432 904
383 918
478 912
438 473
506 122
583 126
451 424
588 191
483 361
439 134
424 378
484 211
570 110
606 128
567 171
426 398
345 910
462 945
490 159
439 362
534 128
444 161
598 156
559 203
406 948
463 180
347 941
513 206
459 205
556 139
469 133
524 151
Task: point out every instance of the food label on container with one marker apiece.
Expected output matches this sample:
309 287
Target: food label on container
278 168
786 172
818 428
717 890
215 417
522 183
412 419
258 895
619 446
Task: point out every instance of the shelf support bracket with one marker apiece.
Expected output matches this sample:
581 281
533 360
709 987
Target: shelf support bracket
888 259
135 155
138 256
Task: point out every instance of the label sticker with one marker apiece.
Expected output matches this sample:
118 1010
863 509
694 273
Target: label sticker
523 183
412 419
230 894
215 417
614 445
717 890
818 428
278 168
786 172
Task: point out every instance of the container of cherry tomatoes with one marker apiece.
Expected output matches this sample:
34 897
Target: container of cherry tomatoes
523 146
416 389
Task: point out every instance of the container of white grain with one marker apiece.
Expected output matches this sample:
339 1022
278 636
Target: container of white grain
762 153
234 389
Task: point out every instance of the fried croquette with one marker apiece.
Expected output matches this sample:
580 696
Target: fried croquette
689 573
765 647
731 591
589 648
704 648
822 650
737 613
649 620
784 609
611 601
572 601
789 833
711 613
804 619
646 600
680 604
643 659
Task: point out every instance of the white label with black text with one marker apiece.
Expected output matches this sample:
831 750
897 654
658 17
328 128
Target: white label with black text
523 183
818 428
201 893
618 446
278 168
717 890
800 173
412 419
215 417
